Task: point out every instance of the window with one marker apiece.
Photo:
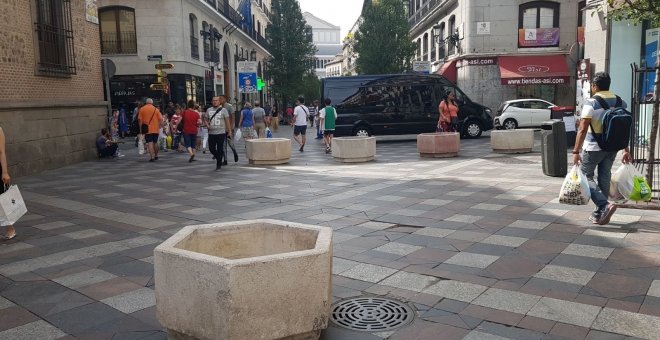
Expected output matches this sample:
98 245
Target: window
452 29
194 40
419 49
117 26
433 47
538 14
425 47
442 52
207 43
55 36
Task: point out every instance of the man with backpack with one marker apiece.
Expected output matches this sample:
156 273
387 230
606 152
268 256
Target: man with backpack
604 129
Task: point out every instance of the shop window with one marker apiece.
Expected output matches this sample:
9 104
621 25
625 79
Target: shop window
538 24
194 40
117 26
545 92
452 29
207 43
55 37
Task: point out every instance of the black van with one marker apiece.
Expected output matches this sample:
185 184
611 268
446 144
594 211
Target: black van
398 104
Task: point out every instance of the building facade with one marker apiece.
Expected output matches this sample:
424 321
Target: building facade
502 50
349 57
326 38
51 85
335 67
202 39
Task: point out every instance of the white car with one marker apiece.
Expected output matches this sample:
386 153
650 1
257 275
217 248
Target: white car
517 113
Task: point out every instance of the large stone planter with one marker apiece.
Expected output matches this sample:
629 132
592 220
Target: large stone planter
512 141
354 149
438 145
258 279
268 151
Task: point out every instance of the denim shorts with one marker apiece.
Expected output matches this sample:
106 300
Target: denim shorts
190 141
300 129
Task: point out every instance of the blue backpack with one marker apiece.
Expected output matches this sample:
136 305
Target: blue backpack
617 125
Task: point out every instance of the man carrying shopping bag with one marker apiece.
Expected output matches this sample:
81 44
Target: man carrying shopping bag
590 149
12 206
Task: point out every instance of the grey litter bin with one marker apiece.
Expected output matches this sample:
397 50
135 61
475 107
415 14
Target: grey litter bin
567 114
553 148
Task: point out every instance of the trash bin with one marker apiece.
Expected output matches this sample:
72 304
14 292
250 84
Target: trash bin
567 115
553 148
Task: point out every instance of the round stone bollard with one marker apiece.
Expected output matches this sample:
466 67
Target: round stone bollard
256 279
512 141
354 149
268 151
439 144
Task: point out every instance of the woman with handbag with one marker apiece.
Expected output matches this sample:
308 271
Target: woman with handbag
10 233
448 121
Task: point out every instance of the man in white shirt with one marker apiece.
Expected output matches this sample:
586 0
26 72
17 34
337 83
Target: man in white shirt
300 114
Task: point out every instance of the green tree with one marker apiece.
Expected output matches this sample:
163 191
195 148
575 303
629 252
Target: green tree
291 48
382 42
309 87
636 12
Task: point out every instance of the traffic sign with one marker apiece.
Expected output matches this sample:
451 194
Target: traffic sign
159 87
155 57
164 66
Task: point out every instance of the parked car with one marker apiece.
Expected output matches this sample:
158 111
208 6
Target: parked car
398 104
517 113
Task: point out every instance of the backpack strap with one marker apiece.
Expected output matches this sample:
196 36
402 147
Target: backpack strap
603 103
619 102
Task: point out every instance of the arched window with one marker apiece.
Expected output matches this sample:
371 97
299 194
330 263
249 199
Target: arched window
442 52
452 30
538 22
419 49
425 47
433 47
194 40
207 43
117 28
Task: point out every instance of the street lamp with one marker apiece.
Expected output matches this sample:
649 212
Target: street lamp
452 39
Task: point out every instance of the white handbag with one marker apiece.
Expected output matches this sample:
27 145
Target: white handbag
12 206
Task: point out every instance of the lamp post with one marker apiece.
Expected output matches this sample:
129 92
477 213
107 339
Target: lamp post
214 37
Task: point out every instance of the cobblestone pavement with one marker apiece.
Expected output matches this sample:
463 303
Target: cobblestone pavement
477 245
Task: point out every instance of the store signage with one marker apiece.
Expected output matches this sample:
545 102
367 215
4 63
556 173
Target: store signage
483 28
422 66
159 87
484 61
533 69
247 76
164 66
538 37
155 57
92 11
650 57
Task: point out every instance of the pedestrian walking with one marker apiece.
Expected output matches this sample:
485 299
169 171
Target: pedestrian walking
150 121
289 115
170 110
448 120
229 141
259 120
10 231
300 123
587 151
327 119
191 120
176 128
313 109
247 122
219 126
275 119
123 122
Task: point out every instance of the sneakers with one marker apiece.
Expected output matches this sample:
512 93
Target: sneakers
328 150
595 216
606 214
301 148
192 158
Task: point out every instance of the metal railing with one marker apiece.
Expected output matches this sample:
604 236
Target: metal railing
55 37
421 12
235 18
194 47
118 43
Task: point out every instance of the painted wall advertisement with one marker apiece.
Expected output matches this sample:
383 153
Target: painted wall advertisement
91 11
538 37
247 76
650 57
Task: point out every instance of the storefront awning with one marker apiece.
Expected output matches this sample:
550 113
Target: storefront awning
449 71
534 70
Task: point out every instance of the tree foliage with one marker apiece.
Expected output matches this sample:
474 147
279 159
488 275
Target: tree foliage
291 48
636 11
309 87
382 42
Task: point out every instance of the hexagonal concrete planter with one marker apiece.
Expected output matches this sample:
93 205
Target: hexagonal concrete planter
439 144
512 141
268 151
354 149
257 279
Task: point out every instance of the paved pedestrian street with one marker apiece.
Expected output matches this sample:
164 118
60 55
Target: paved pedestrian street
477 245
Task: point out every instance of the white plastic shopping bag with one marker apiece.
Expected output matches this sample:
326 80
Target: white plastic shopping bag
12 206
631 184
575 189
141 145
238 135
615 195
269 134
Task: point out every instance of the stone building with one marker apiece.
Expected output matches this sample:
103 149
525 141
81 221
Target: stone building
326 38
51 89
335 67
501 50
205 64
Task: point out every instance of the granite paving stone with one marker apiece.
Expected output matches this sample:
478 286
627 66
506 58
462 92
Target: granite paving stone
565 274
85 278
35 330
456 290
627 323
572 313
368 272
398 248
654 289
588 251
508 241
132 301
411 281
472 260
507 300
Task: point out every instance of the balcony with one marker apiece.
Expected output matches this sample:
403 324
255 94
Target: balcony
235 18
423 11
118 43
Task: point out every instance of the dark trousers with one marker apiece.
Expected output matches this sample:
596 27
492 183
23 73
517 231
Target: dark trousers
216 146
109 151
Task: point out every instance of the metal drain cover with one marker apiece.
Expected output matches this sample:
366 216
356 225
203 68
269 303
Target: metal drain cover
371 314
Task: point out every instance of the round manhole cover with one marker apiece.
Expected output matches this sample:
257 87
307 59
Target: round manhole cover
371 314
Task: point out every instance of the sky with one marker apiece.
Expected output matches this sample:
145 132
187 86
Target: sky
342 13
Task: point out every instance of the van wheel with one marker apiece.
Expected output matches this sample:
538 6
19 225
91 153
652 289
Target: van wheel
472 129
362 131
510 124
